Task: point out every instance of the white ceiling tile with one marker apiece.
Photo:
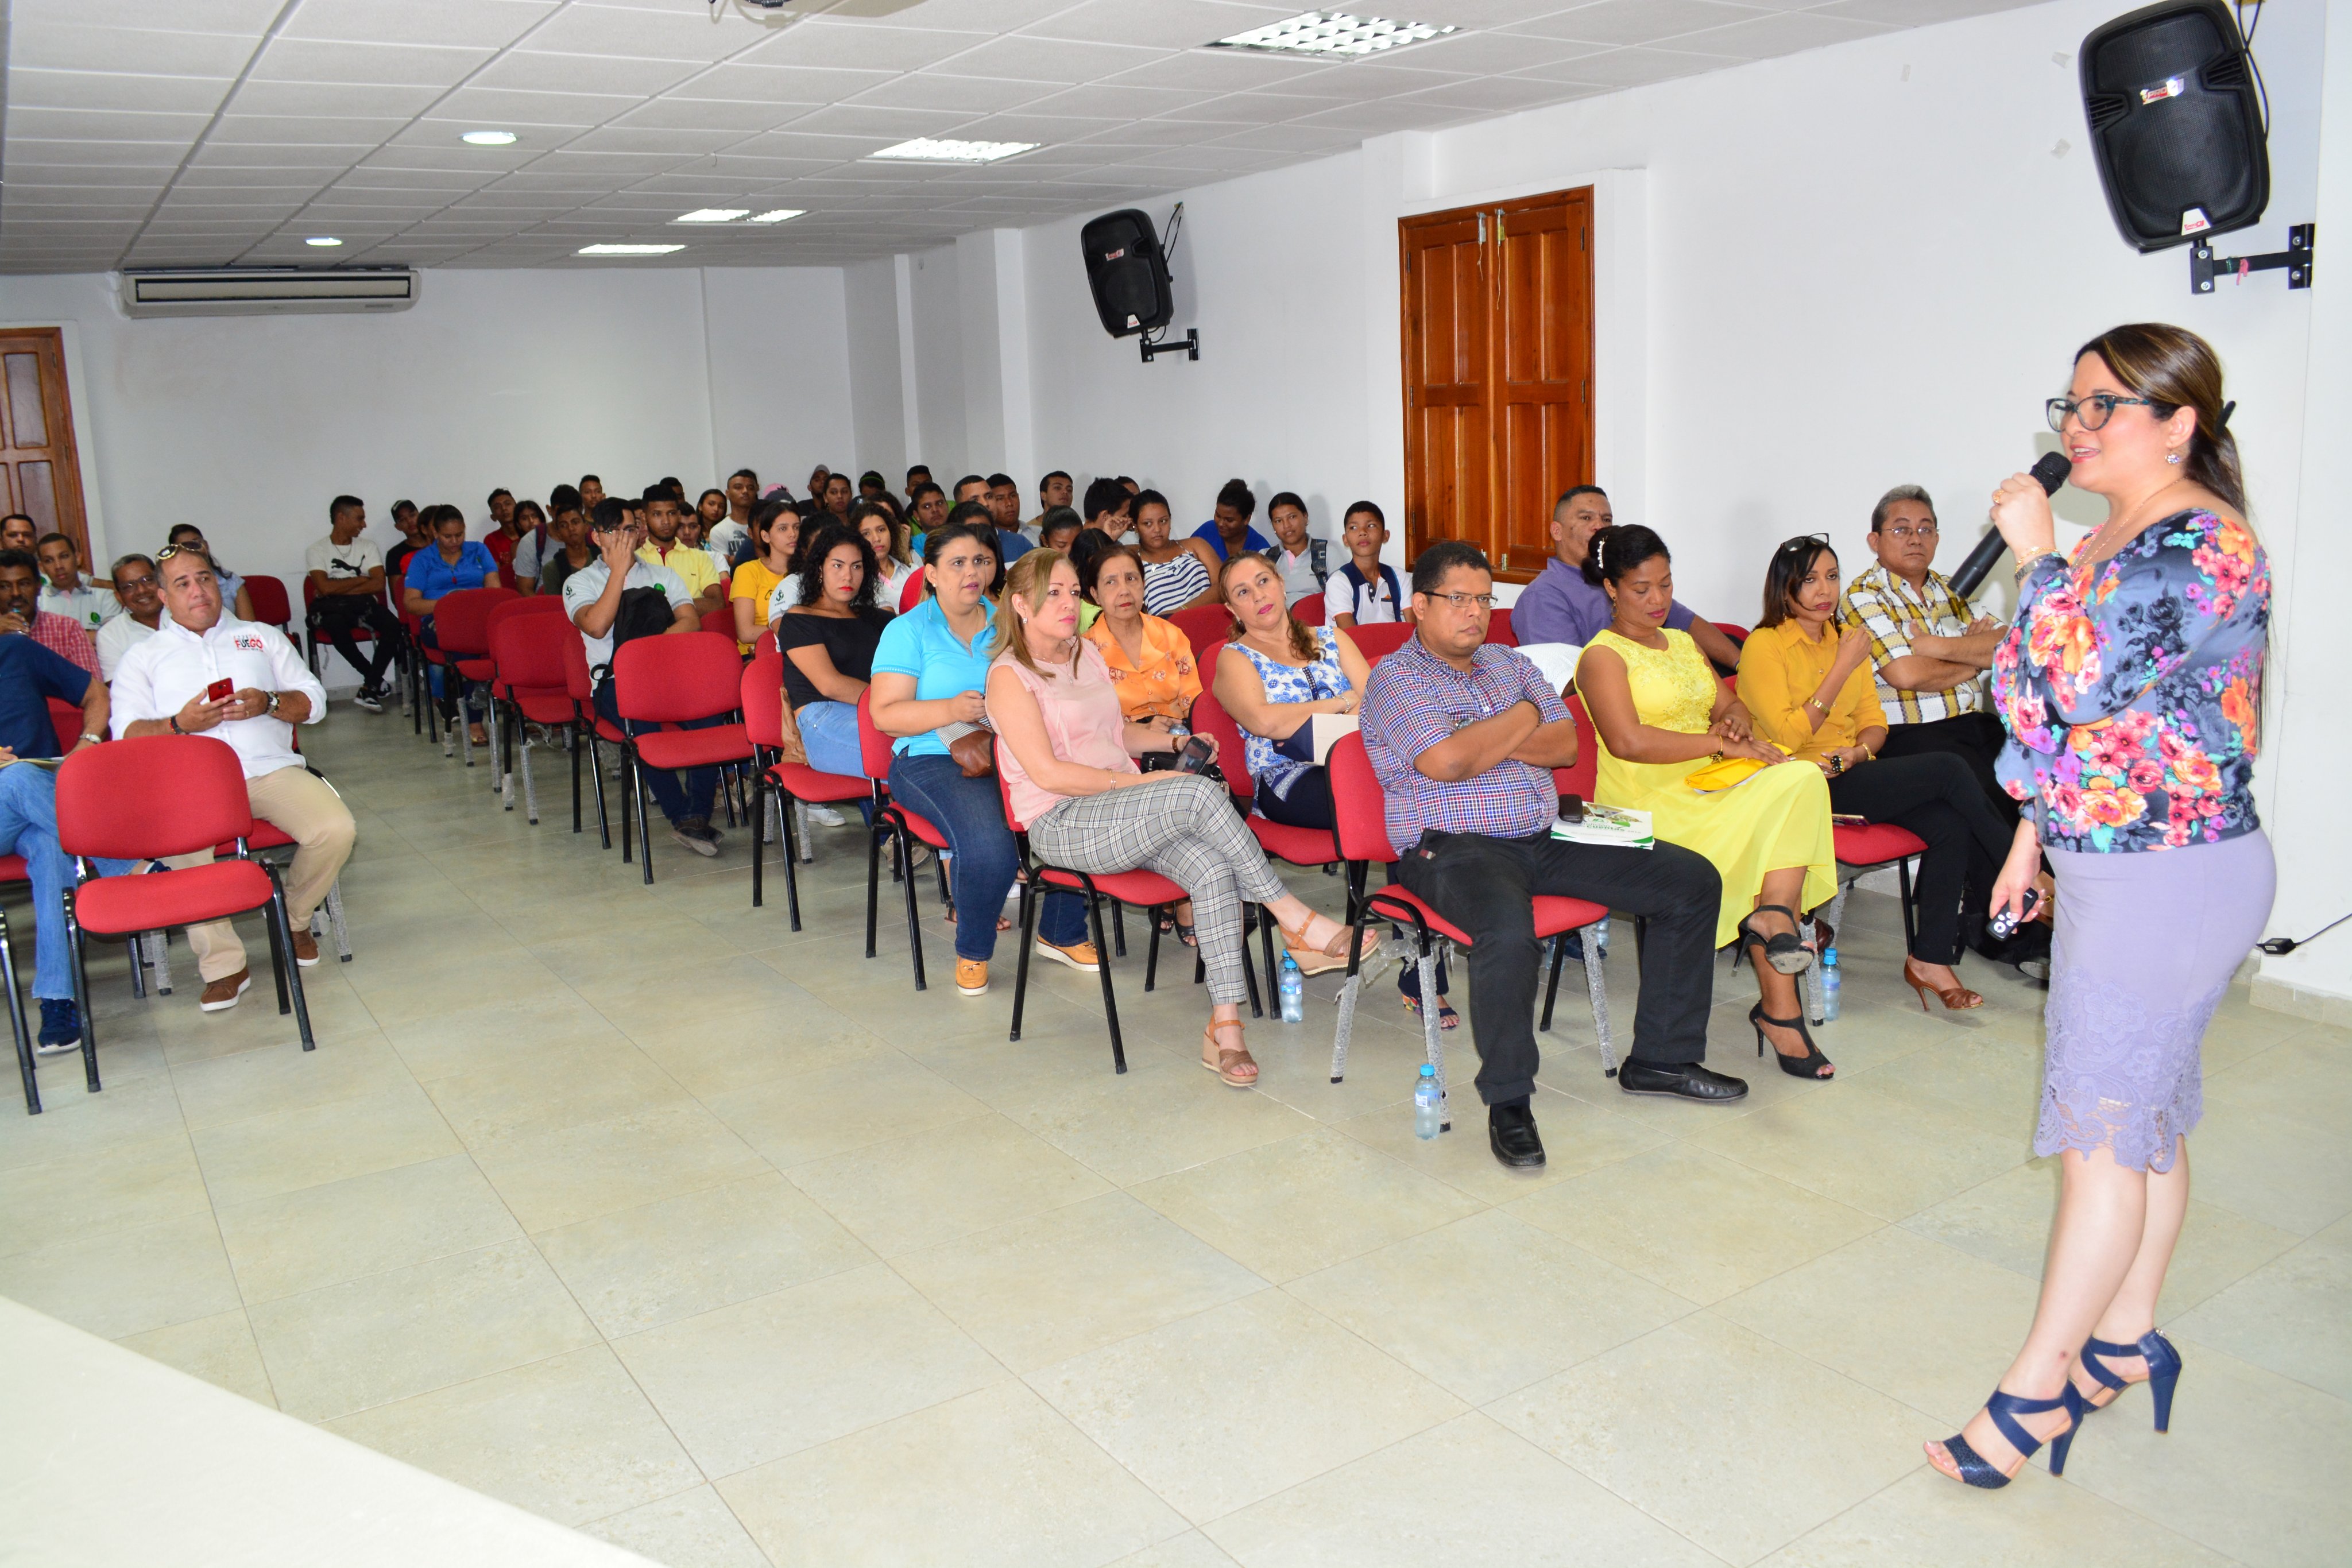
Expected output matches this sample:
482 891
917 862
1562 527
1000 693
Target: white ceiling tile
1916 13
377 179
1629 68
710 114
652 141
867 120
789 144
1767 37
333 100
1637 21
101 179
616 166
250 17
527 70
1163 24
1304 138
1118 102
148 155
1022 58
1146 133
201 179
106 89
400 65
769 84
693 33
1496 94
1386 115
1249 109
822 42
487 24
1026 127
1486 54
273 130
1224 70
969 95
231 154
102 125
41 44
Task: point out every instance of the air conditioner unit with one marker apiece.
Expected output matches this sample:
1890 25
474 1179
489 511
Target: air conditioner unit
266 291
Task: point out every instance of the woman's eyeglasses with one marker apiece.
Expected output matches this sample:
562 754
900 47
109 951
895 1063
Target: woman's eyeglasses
2093 412
1803 542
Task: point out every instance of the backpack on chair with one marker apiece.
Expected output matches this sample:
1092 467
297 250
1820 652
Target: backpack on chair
642 613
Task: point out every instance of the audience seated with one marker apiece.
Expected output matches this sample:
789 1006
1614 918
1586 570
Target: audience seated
20 611
569 548
766 582
18 531
30 676
930 678
135 584
1109 510
664 548
1178 574
871 487
917 476
539 539
1809 689
828 638
1564 605
412 537
1055 489
1661 717
1004 498
455 562
730 535
1152 668
1298 558
1057 528
159 689
233 598
347 573
1229 529
835 498
503 535
592 494
1365 590
1068 755
1463 736
927 509
67 590
594 598
879 523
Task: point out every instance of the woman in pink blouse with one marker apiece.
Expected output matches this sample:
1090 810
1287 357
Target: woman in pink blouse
1068 758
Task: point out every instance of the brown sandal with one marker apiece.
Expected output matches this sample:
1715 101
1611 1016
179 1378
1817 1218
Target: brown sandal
1333 955
1956 999
1232 1063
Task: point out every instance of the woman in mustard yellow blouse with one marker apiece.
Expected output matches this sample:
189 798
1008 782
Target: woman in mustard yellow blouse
1808 688
1661 717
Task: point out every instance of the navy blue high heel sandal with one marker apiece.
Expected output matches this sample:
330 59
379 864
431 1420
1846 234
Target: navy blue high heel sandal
2004 1409
2163 1371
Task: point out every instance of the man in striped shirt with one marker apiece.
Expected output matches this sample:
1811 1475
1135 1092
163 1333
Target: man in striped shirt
20 611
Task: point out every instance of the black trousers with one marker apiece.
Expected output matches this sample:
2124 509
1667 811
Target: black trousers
1934 796
1485 887
335 618
1974 737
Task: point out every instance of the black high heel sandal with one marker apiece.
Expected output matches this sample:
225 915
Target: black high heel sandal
1809 1065
2004 1409
1784 950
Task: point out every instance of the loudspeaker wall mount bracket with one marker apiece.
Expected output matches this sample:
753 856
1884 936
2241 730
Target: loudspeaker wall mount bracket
1159 347
2204 267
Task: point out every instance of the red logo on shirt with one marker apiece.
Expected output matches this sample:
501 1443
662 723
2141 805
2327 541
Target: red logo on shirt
249 644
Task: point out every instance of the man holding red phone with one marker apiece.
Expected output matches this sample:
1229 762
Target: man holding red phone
206 673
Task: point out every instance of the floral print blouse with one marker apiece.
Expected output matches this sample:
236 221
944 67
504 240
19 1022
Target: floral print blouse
2132 689
1290 683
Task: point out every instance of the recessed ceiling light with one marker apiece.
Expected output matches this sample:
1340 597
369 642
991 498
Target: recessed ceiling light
711 216
324 242
924 150
780 216
628 250
488 138
1333 33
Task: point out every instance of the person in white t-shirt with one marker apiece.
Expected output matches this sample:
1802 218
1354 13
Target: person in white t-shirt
159 689
135 584
66 589
1365 591
347 573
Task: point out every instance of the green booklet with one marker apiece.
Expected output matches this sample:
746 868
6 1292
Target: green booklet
1620 827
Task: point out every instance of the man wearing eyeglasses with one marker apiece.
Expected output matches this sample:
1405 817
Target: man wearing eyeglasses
1463 736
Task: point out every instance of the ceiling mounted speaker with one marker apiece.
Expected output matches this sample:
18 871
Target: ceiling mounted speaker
1128 272
2176 123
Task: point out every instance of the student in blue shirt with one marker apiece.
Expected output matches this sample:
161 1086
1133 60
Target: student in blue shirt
928 689
1229 530
451 562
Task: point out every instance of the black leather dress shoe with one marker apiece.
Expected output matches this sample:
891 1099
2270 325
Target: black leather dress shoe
1511 1133
1683 1080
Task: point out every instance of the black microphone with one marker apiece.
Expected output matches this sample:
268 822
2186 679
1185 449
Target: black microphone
2052 470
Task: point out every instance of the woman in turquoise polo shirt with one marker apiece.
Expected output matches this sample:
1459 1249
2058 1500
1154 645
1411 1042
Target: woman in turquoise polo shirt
928 689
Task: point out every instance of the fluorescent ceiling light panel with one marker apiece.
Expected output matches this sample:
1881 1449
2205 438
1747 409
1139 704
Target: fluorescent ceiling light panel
488 138
628 250
711 216
324 242
925 150
1333 33
781 215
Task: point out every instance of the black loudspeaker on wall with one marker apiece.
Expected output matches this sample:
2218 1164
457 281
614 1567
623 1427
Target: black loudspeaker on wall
2176 123
1128 272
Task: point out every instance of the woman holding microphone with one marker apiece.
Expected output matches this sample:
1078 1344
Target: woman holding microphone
2131 687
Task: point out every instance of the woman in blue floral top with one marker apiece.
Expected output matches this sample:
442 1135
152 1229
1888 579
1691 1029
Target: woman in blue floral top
2131 687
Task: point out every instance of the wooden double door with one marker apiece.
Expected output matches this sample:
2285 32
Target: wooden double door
40 474
1498 372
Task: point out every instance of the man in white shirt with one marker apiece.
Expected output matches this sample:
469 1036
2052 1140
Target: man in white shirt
143 603
592 597
348 573
66 589
159 689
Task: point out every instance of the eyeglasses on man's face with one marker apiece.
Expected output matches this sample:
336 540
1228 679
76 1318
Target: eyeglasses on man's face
2091 412
1463 600
1903 533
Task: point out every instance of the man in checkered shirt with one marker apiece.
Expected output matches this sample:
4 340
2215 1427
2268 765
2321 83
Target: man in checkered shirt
1463 736
20 611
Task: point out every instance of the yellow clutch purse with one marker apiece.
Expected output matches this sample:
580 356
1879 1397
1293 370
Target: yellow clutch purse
1727 773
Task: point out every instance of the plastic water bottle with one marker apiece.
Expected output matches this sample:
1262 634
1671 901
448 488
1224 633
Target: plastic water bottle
1829 984
1294 991
1602 947
1428 1109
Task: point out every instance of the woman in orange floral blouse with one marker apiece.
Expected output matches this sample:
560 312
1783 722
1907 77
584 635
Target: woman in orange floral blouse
2130 686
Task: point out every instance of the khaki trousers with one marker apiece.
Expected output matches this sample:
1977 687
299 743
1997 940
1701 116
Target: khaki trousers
298 803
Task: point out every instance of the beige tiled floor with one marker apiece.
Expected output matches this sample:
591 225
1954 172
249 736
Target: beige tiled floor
634 1208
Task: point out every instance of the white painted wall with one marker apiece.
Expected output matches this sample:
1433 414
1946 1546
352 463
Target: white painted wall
935 311
782 398
877 396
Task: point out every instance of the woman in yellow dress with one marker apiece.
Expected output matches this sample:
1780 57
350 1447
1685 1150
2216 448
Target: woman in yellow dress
1661 717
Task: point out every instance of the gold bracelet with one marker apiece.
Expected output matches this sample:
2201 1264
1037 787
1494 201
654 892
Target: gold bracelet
2025 561
1816 702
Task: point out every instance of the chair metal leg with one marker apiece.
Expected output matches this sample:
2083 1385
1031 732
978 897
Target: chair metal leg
571 745
914 921
875 833
289 974
501 777
158 945
628 810
333 905
1595 984
759 834
1030 897
1118 932
1551 987
16 1024
1353 986
1102 970
462 723
792 873
138 947
529 793
1265 943
640 792
1151 951
596 772
1910 924
808 839
81 947
281 952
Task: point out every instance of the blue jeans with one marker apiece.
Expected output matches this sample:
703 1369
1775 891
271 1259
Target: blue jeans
428 637
829 731
970 813
676 804
28 827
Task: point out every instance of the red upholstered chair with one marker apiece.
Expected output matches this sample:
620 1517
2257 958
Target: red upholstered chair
673 681
902 828
1377 643
147 799
1203 624
1364 838
1309 611
1731 629
461 625
270 605
1861 847
65 722
1498 628
1299 846
13 870
311 643
721 621
763 721
913 594
531 681
579 684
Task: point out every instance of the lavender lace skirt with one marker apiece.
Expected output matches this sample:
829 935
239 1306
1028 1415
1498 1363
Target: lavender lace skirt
2146 944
